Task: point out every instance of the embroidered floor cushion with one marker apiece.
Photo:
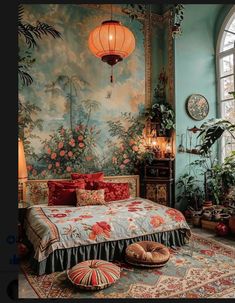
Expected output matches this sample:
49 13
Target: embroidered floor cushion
147 253
94 274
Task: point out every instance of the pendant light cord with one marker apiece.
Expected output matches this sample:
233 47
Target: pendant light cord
111 12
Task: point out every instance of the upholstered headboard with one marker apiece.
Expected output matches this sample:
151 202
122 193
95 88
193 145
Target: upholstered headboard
36 191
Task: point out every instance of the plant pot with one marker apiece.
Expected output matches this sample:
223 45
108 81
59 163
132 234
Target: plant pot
207 214
224 217
231 223
207 203
196 220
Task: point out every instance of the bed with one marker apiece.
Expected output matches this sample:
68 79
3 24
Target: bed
62 236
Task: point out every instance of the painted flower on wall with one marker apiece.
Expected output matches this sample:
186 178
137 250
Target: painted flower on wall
66 153
70 122
128 147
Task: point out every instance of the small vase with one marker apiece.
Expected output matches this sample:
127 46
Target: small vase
232 223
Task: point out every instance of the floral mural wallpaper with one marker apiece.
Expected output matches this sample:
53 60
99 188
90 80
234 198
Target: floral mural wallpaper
71 118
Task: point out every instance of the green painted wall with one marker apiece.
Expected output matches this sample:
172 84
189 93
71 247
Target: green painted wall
195 69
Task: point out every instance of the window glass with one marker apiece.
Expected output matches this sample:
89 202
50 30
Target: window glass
226 86
226 65
226 69
228 41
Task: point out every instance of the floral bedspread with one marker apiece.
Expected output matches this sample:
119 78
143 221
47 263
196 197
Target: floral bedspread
50 228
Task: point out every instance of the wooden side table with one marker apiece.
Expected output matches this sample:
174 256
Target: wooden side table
158 181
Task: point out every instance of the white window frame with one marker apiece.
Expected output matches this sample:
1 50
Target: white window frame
219 55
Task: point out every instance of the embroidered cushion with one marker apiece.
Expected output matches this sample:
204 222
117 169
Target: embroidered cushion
90 197
94 274
147 253
113 191
63 192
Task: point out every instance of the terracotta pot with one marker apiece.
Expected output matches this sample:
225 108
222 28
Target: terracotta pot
196 220
232 223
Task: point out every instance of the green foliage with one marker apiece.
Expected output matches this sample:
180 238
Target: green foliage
135 10
67 150
218 177
28 38
161 111
212 130
233 94
225 172
189 191
147 157
68 87
178 12
27 121
127 147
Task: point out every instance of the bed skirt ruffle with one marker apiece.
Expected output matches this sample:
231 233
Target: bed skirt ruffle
63 259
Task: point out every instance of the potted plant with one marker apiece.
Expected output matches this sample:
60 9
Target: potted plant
161 112
190 194
219 177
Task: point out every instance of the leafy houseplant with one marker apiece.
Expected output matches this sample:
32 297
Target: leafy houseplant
161 112
226 173
220 177
189 192
212 130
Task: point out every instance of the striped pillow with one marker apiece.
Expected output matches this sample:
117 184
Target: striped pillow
94 274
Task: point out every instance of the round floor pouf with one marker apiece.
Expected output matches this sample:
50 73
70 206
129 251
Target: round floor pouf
94 274
147 254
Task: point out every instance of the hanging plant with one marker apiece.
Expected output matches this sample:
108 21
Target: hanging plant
178 17
161 111
134 10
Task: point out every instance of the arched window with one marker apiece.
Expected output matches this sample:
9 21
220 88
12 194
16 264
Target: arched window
226 78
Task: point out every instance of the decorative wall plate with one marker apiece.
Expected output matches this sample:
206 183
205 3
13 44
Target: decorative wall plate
197 107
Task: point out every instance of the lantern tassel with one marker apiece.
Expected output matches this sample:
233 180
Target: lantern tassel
111 77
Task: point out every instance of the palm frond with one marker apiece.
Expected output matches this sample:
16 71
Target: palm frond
25 77
29 38
43 29
20 12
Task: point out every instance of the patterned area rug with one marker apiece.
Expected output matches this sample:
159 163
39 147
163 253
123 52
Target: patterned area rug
208 273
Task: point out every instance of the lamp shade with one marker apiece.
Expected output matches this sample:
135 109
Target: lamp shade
111 41
22 168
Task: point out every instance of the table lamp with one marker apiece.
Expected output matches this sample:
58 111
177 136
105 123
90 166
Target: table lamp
22 169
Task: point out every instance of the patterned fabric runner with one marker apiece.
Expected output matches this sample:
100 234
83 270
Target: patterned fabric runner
208 273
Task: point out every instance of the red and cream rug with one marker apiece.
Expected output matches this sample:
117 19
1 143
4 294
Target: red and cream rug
208 273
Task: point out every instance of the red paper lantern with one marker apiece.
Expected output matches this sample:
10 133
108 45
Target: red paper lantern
111 41
221 229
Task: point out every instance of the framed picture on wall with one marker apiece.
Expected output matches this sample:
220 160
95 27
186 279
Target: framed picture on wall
197 107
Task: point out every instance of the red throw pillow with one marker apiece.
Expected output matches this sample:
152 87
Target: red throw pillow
64 192
113 191
89 178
